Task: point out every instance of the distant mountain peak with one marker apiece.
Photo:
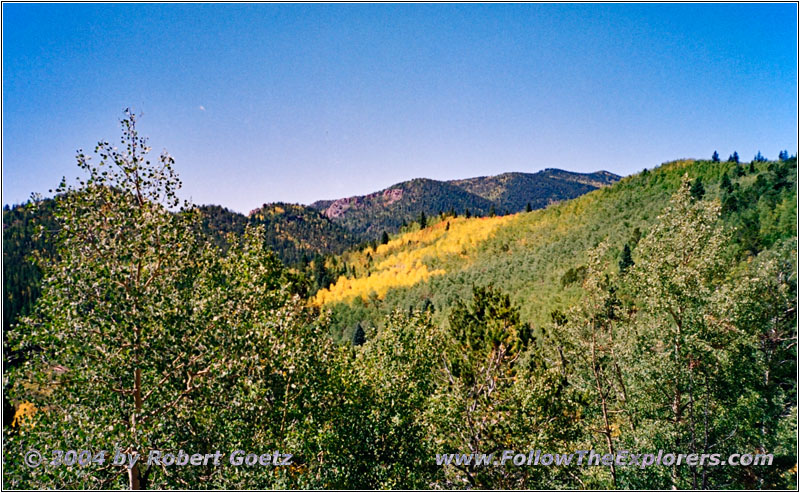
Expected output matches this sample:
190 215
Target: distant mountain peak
387 209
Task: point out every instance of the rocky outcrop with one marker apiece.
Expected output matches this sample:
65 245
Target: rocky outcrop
387 197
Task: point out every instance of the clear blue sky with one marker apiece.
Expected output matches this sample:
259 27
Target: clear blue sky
265 102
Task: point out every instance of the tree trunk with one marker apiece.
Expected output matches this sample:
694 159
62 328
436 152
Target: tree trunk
134 477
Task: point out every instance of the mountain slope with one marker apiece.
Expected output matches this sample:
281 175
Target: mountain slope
296 231
292 231
386 210
539 257
369 215
513 191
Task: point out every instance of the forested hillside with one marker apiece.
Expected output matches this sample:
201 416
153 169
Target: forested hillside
302 236
21 277
403 203
513 192
540 258
389 209
296 234
657 314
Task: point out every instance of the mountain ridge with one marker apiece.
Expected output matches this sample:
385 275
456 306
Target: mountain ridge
387 209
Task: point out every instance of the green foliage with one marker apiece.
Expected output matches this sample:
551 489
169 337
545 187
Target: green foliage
168 327
495 394
573 275
21 241
359 338
149 338
725 184
626 261
529 256
378 437
491 322
726 277
367 216
293 230
513 191
698 190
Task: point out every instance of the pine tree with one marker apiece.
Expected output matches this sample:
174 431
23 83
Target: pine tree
320 273
384 238
698 190
423 220
627 260
725 184
734 158
359 337
467 214
528 207
715 157
491 211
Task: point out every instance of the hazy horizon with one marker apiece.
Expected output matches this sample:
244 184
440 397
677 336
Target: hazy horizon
298 103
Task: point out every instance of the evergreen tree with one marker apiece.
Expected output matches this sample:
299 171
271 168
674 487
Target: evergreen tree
698 190
384 238
725 184
734 158
321 276
487 397
491 211
752 167
423 220
467 214
783 155
759 158
359 337
715 157
528 207
627 259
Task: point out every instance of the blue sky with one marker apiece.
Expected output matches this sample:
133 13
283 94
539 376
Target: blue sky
266 102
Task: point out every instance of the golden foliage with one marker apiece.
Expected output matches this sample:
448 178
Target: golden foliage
404 261
23 414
